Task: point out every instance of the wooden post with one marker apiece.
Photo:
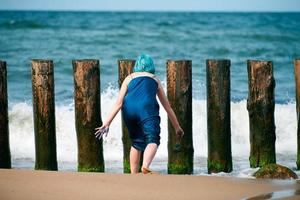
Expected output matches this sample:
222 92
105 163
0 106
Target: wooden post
218 116
5 160
44 114
88 115
297 79
260 105
179 90
125 68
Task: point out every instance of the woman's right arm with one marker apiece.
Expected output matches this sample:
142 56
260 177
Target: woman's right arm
117 106
165 103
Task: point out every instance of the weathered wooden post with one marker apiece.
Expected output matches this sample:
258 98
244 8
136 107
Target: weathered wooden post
218 116
88 115
297 79
179 90
5 160
125 68
44 114
260 105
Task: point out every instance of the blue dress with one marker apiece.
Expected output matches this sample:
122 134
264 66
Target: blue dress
141 112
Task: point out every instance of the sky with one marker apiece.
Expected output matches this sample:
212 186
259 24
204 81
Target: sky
152 5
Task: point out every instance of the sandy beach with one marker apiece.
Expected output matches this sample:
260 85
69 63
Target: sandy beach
33 184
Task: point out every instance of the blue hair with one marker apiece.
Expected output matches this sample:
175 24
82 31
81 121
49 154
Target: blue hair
144 63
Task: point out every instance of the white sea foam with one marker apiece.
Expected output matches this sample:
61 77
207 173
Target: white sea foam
22 134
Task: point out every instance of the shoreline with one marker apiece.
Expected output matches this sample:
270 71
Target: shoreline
38 184
241 167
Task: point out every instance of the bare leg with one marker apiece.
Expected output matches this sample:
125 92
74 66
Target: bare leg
135 156
149 154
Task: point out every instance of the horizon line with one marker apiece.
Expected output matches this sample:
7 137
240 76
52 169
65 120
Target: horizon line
174 11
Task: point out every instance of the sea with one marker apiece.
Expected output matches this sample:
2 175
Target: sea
110 36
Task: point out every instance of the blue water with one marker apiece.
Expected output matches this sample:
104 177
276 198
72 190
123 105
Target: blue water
109 36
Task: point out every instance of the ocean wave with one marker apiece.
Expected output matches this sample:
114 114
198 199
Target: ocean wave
220 51
22 133
272 37
166 23
22 24
263 37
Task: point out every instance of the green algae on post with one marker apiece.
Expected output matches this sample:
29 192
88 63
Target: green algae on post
178 169
126 165
90 169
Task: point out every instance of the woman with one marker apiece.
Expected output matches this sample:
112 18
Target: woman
137 98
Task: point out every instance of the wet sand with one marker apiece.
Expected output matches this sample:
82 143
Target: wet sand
46 185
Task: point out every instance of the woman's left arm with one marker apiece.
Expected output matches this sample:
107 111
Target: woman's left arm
165 103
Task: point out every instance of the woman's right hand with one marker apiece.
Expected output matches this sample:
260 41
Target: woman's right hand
100 131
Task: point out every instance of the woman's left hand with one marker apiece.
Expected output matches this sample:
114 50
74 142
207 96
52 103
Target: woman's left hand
179 133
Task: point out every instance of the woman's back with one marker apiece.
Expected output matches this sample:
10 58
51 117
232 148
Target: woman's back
140 100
